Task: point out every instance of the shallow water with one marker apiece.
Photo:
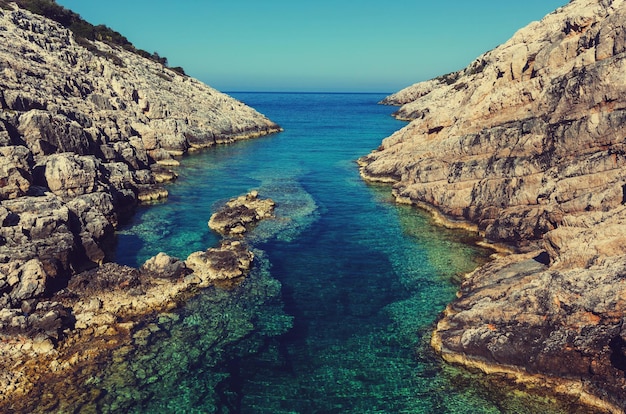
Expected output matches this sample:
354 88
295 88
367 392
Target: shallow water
337 314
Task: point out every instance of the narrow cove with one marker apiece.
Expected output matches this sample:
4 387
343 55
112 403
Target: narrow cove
336 315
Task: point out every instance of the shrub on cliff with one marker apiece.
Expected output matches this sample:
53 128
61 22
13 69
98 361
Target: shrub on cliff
84 30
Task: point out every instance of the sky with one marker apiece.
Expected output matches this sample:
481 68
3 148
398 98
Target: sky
315 46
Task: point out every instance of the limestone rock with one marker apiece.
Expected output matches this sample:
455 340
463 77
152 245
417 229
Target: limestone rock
68 175
165 266
16 162
30 280
520 137
81 132
94 220
36 227
564 324
108 277
230 260
87 130
241 213
527 145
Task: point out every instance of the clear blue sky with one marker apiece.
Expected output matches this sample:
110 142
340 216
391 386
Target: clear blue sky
322 45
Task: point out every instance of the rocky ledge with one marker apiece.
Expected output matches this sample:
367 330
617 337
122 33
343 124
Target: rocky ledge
526 146
240 214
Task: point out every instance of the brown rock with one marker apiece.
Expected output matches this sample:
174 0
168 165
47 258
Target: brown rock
229 261
30 281
531 130
241 214
16 162
165 266
68 175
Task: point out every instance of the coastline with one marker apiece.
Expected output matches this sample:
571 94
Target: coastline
525 144
560 388
88 131
117 309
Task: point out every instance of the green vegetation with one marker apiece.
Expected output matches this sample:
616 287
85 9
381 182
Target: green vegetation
85 31
448 78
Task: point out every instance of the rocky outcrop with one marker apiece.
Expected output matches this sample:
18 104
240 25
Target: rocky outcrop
88 130
231 260
240 214
526 145
98 310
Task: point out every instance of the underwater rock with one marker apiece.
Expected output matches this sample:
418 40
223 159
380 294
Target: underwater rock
240 214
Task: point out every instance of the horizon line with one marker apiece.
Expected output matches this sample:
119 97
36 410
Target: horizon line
312 92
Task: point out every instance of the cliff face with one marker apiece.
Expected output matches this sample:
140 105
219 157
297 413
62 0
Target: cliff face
528 145
85 135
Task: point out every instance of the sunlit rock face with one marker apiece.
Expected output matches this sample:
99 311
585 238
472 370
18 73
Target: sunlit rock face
240 214
87 131
527 144
84 136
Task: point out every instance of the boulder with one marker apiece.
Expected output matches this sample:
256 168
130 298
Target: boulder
16 162
94 220
69 175
37 227
108 277
165 266
28 281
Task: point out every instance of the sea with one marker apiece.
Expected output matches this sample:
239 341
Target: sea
336 315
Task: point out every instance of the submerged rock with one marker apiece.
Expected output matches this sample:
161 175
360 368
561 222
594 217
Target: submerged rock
527 145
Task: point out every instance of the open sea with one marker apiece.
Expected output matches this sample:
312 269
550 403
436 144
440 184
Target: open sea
347 285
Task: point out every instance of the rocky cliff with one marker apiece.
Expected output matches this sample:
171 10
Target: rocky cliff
87 130
527 146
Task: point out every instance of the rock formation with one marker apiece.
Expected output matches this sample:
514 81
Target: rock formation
526 145
98 311
240 214
86 132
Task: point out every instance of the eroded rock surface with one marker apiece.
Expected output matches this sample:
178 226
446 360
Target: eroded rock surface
98 310
240 214
84 136
527 145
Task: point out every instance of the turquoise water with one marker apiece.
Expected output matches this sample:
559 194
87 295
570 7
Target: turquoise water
337 314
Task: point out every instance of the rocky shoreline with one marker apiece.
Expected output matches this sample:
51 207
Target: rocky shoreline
526 146
106 308
86 134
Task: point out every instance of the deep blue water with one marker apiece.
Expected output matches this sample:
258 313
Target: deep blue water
337 314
